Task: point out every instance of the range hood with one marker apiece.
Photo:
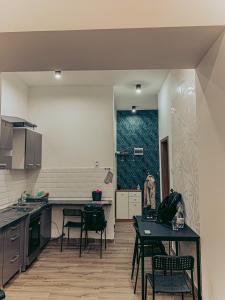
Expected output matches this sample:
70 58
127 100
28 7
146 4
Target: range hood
18 122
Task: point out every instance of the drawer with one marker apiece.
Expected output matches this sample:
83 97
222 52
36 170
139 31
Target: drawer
13 230
10 268
134 200
135 194
12 246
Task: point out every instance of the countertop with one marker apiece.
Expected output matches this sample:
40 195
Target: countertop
72 201
129 190
10 215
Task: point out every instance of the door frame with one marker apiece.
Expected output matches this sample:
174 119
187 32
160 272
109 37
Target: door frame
165 164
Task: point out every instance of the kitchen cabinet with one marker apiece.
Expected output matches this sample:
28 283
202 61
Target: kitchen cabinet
27 149
128 204
6 135
6 140
13 240
1 259
46 219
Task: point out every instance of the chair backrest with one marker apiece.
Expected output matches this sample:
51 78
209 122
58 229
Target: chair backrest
172 263
94 219
67 212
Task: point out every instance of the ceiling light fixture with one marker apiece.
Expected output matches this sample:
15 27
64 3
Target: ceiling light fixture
133 109
138 88
58 74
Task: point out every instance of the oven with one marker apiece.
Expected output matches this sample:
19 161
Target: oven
33 237
34 234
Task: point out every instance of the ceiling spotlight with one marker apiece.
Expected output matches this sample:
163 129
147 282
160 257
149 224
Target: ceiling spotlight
138 88
133 109
58 74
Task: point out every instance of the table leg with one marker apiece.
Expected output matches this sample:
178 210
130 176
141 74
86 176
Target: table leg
142 271
177 248
198 254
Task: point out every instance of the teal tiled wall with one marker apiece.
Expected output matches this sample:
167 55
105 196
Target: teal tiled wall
139 130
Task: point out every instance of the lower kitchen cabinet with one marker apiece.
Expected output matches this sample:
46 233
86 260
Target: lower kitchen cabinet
11 245
128 204
1 258
46 220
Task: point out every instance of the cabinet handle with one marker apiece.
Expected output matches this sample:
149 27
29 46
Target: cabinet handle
14 259
14 238
30 165
13 228
3 166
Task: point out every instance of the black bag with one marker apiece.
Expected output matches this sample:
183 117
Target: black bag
168 208
94 217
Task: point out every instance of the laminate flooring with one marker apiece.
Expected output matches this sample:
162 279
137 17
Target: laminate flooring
65 276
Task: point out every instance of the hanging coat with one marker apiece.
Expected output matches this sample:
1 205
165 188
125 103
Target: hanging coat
149 192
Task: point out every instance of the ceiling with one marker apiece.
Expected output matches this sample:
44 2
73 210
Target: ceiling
123 81
107 49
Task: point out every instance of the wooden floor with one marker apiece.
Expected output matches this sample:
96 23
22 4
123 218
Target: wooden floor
65 276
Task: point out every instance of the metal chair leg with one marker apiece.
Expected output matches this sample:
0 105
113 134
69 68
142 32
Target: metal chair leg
182 296
134 258
146 287
81 240
101 246
61 248
68 236
135 286
105 239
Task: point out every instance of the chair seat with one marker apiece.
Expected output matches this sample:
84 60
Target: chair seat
175 283
154 249
72 224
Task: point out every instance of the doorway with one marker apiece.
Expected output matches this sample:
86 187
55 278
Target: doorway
165 169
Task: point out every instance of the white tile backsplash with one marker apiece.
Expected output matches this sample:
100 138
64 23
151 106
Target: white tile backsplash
12 185
70 183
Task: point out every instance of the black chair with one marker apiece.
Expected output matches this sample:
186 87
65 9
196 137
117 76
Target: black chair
174 281
72 224
151 249
94 220
2 294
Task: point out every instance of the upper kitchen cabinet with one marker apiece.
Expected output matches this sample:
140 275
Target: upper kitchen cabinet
6 141
27 149
6 135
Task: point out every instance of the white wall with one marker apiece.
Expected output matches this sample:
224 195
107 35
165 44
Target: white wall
14 96
77 125
211 133
78 130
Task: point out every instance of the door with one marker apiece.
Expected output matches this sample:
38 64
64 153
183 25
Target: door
122 205
37 149
165 169
29 150
6 138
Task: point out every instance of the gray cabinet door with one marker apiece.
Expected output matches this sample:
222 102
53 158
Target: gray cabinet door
11 257
37 150
29 150
33 150
6 135
1 259
46 219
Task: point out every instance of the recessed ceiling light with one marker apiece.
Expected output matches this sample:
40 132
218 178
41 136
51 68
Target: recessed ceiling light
134 109
138 88
58 74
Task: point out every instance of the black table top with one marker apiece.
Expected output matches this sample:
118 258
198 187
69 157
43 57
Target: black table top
164 232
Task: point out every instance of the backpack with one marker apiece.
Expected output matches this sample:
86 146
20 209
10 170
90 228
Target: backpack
168 208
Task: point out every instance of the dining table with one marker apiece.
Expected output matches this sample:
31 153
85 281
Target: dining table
152 230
